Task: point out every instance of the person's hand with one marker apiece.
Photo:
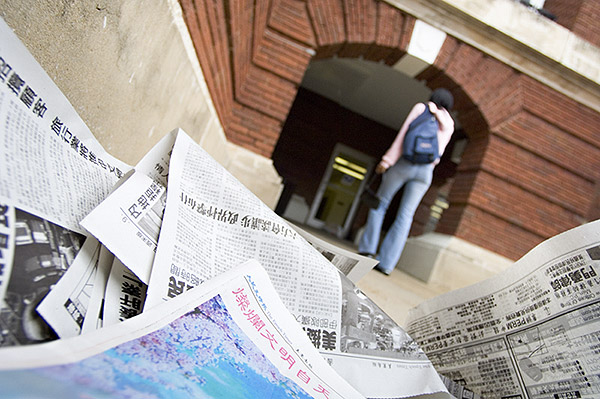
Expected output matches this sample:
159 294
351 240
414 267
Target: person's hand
380 169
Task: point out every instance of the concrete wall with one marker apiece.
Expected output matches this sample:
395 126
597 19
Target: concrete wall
130 71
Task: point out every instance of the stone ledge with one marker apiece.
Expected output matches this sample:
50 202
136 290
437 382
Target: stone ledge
449 262
520 38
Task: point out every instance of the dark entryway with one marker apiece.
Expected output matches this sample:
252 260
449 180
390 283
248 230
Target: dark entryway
315 126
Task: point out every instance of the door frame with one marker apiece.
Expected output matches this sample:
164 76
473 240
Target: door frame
341 231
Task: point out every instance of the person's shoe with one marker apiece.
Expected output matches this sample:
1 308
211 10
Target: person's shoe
382 270
367 254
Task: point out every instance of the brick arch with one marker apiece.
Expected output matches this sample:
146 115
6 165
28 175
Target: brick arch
254 54
509 193
531 169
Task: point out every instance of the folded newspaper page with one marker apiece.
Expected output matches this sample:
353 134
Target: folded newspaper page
52 166
53 173
124 296
95 311
129 220
530 332
65 307
211 221
351 264
231 337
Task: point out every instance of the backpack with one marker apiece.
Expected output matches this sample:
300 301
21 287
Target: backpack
420 144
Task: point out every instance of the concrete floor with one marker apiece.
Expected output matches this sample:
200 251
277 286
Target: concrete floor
397 293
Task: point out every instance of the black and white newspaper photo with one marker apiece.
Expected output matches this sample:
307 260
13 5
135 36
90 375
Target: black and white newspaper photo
35 255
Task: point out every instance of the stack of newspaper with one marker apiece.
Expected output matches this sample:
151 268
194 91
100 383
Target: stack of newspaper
170 279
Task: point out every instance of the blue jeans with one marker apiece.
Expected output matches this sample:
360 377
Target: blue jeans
416 180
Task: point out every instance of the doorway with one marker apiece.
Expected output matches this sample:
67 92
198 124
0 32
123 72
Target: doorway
337 197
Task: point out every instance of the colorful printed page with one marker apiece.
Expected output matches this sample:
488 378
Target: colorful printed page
231 338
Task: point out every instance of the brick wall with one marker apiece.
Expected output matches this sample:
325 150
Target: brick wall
565 11
211 42
531 166
254 54
579 16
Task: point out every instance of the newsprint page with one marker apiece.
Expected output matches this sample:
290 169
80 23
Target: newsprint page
63 290
171 279
531 332
349 330
53 172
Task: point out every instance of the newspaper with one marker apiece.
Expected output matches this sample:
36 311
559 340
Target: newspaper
65 307
351 264
231 332
530 332
211 220
95 313
46 134
35 254
124 296
128 221
53 172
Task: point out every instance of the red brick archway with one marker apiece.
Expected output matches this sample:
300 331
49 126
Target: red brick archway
254 55
518 182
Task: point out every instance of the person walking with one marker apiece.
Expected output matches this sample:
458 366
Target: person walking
399 172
